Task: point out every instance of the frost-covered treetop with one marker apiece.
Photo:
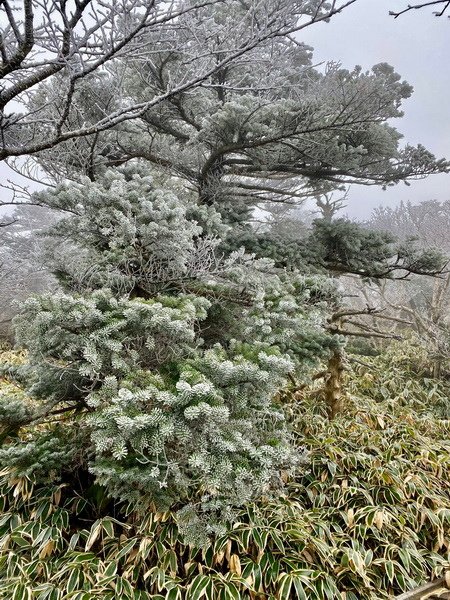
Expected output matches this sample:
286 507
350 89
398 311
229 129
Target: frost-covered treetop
125 233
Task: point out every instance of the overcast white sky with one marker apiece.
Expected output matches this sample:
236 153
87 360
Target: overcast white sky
418 46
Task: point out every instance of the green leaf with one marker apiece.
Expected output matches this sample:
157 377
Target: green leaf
299 589
81 557
404 555
21 592
198 587
108 527
126 549
110 570
284 588
73 581
230 591
389 567
174 594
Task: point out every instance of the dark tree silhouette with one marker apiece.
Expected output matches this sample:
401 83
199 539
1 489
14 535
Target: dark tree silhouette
441 5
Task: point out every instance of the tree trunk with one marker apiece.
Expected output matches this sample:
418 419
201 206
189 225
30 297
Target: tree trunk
333 390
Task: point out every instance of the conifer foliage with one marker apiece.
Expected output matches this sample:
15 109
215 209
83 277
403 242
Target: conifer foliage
155 367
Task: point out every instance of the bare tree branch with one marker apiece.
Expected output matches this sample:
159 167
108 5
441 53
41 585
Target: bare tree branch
445 3
73 40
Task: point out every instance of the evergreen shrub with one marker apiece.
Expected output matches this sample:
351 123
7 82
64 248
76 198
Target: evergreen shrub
367 518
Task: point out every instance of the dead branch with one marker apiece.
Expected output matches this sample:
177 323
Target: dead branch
410 7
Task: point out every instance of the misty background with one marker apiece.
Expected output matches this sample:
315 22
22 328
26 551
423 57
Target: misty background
417 45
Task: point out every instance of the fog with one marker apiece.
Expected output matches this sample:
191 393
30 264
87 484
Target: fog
417 44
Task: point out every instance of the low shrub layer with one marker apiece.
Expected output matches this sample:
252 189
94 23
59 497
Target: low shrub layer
368 518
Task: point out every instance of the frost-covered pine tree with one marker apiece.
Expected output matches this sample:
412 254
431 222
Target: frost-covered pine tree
155 368
267 126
